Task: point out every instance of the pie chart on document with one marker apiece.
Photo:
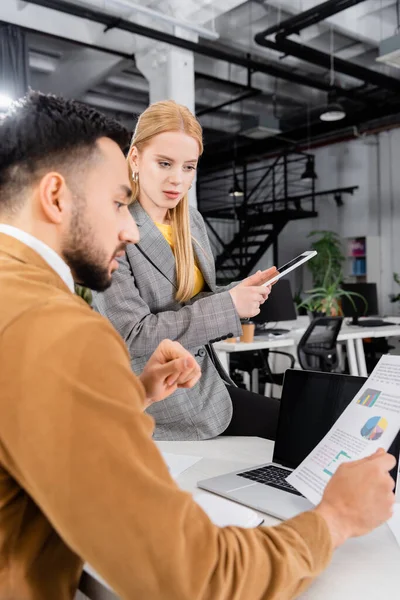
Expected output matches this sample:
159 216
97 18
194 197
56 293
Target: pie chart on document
374 428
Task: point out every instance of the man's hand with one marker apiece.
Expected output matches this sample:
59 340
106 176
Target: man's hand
250 293
170 367
359 497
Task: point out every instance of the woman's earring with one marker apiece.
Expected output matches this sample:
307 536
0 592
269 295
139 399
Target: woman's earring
135 176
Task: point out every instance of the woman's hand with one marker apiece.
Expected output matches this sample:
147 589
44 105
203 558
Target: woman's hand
250 293
261 277
170 367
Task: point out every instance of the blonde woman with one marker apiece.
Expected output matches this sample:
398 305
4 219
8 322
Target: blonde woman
165 285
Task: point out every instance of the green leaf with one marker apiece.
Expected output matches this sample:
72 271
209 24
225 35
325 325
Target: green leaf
85 293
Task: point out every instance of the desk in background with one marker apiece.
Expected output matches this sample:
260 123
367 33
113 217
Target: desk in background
351 336
365 567
224 349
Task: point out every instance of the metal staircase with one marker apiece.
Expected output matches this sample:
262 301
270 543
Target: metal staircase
243 228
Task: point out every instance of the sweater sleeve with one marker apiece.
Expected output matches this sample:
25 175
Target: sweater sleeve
199 323
78 442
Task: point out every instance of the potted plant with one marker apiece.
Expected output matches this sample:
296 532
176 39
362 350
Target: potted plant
395 297
330 254
325 299
298 300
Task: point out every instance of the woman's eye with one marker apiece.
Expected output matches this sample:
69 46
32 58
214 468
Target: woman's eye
119 205
164 164
190 168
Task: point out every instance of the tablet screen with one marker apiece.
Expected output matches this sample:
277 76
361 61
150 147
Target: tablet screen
292 264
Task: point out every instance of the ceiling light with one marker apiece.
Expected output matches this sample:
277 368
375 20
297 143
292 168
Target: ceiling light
334 111
236 190
309 172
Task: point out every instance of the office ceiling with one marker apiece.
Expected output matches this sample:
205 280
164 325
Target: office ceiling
66 57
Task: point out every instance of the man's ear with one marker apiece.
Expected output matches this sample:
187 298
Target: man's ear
53 193
133 158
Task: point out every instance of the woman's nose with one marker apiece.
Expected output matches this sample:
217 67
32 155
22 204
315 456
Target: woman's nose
175 177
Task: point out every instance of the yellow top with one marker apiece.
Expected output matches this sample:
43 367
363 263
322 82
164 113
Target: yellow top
199 282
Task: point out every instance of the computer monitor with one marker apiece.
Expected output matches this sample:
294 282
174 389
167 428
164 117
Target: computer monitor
279 305
360 308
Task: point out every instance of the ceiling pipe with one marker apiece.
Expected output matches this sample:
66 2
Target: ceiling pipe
316 57
322 59
256 66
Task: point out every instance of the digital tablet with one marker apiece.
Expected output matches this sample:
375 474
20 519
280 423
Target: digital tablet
292 264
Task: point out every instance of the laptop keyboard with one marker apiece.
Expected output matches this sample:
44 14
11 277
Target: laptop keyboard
271 475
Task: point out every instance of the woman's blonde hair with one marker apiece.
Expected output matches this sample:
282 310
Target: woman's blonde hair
162 117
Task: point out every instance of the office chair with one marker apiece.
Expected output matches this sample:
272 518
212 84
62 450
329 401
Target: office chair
316 349
258 359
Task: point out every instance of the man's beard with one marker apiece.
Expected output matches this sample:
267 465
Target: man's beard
89 265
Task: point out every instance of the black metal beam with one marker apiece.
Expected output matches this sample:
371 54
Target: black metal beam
316 57
322 59
239 59
345 190
236 85
248 94
224 82
230 210
61 38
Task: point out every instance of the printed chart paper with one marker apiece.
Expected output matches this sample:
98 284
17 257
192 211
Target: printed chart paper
371 421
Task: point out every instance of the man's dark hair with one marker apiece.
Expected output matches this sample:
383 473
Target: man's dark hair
42 131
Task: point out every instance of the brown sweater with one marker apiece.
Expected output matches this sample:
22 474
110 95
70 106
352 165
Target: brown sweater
81 479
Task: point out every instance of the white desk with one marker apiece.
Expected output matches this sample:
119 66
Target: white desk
223 349
362 568
351 336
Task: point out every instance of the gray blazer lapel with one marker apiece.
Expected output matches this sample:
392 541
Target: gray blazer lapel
153 244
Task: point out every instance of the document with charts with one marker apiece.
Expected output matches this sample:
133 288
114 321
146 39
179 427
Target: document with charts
371 421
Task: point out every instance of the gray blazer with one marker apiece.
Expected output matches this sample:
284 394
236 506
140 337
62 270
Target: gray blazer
141 305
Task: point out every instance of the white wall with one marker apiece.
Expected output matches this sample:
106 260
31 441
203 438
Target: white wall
385 212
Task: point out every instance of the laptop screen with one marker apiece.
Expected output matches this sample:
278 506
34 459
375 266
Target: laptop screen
311 402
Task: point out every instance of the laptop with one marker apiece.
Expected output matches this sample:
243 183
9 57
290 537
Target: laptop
311 403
